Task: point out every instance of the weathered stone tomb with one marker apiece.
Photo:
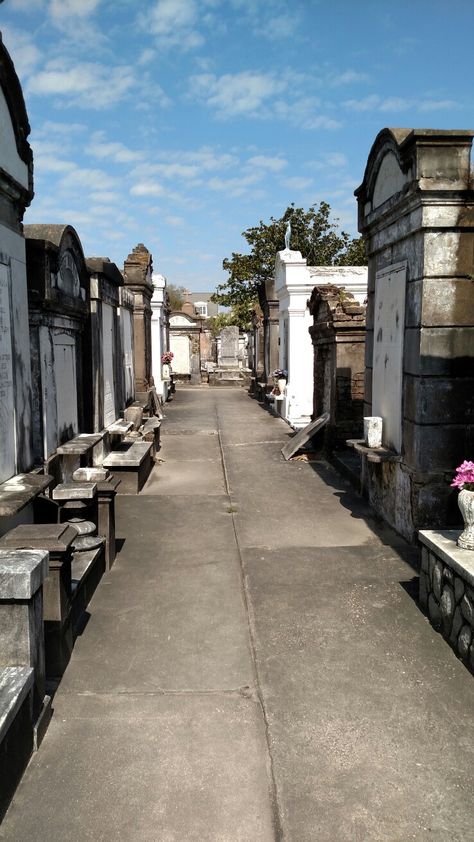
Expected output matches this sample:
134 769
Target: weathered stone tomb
416 211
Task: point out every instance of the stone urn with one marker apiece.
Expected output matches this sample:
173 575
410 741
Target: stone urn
466 505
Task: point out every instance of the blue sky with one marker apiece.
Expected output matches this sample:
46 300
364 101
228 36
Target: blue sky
180 123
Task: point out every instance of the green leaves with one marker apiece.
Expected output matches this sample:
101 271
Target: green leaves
313 233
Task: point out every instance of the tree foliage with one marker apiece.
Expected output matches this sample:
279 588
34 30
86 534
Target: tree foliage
313 233
175 296
240 314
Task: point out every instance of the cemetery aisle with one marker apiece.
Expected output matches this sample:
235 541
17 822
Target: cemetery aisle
315 703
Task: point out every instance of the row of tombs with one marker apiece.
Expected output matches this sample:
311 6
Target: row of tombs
81 390
81 395
394 340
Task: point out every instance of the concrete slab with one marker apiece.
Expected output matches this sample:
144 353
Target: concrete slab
181 628
367 741
303 508
186 477
169 768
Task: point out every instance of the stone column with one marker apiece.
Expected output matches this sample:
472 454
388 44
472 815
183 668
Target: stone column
22 573
138 278
158 319
416 211
293 288
271 327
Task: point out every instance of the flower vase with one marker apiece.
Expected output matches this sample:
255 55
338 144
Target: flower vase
466 505
166 372
281 383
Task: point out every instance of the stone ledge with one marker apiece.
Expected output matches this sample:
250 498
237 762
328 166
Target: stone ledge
15 684
18 491
442 542
22 572
447 589
79 445
373 454
128 455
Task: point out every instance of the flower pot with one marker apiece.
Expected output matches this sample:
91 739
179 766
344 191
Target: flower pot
166 372
466 505
281 383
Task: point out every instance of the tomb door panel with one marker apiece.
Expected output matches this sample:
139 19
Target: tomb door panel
65 377
7 390
389 329
127 343
108 386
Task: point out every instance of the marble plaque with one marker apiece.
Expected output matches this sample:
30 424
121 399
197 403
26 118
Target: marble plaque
389 331
7 410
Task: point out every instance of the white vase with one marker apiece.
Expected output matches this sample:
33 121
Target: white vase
166 372
281 383
373 430
466 505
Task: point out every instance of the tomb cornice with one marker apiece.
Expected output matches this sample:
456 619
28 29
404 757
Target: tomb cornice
13 94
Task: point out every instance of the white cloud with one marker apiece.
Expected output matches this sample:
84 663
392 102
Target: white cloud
347 77
147 188
83 84
274 164
336 159
234 187
112 151
173 23
105 196
22 5
305 112
437 104
64 9
91 179
235 94
174 221
23 51
393 104
297 182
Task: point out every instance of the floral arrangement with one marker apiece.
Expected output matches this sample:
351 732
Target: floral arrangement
167 357
280 374
464 479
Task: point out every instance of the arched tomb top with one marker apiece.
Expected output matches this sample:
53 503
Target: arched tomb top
16 157
66 262
180 319
403 161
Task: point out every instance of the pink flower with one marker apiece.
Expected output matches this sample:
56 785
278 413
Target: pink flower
464 476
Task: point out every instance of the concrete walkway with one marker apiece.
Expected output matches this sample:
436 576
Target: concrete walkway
255 666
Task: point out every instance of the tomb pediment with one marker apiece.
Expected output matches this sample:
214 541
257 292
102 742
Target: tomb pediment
57 272
15 151
404 161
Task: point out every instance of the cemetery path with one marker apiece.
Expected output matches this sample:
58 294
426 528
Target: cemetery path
255 666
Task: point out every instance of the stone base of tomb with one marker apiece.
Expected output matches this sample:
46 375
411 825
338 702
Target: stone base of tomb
447 589
87 570
131 464
16 729
227 377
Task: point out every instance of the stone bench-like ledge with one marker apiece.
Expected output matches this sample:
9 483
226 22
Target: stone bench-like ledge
132 463
15 684
79 445
120 427
447 589
373 454
20 490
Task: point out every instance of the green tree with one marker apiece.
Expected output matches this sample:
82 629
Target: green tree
175 296
240 314
313 233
